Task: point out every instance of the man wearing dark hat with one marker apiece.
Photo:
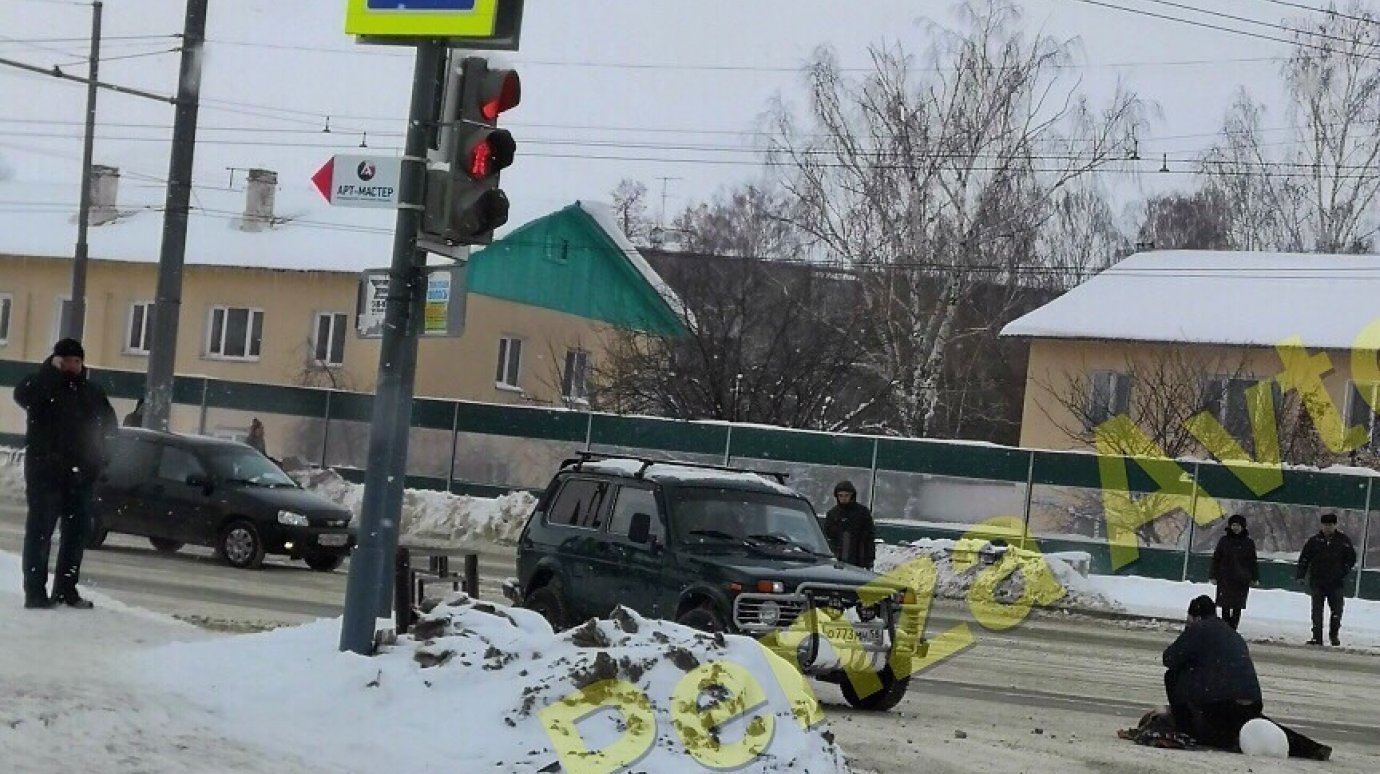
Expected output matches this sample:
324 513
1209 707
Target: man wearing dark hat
1325 561
69 418
1210 678
849 527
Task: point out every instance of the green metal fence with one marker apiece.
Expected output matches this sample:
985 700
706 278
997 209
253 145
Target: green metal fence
917 488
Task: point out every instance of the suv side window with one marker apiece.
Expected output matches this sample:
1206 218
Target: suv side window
578 504
177 464
131 462
632 500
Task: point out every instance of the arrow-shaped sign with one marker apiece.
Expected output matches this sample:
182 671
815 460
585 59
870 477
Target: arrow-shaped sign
360 181
322 178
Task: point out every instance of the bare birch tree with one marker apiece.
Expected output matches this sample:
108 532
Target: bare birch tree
929 181
1320 192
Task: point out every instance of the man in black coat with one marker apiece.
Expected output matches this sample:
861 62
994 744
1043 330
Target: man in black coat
849 527
1213 688
1235 569
69 419
1325 561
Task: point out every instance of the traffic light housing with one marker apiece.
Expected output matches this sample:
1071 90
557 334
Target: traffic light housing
479 151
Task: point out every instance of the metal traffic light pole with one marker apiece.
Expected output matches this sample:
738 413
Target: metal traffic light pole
393 394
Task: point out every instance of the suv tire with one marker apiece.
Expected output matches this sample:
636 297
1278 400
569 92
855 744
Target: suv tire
240 545
890 694
548 601
705 618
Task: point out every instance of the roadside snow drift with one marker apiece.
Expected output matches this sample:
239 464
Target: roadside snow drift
480 688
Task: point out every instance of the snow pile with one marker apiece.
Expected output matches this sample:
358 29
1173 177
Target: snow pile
976 568
429 515
478 688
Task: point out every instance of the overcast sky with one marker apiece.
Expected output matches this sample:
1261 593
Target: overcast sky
612 88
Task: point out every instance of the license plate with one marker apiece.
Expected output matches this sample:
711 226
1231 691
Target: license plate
332 540
847 635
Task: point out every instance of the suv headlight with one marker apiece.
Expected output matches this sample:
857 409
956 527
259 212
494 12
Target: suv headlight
769 614
293 519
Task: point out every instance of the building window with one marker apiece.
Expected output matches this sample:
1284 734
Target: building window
1229 401
509 362
1360 409
235 333
575 378
6 304
329 344
139 334
1111 396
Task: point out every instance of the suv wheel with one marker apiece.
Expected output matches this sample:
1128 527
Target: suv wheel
705 618
240 546
885 698
547 601
324 562
164 546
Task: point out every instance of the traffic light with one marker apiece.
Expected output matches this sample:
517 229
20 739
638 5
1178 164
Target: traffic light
479 152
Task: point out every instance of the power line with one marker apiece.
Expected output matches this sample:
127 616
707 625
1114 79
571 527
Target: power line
1233 17
1331 11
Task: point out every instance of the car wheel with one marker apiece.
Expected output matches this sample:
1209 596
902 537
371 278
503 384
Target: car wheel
240 546
881 700
96 538
705 618
164 546
324 562
547 601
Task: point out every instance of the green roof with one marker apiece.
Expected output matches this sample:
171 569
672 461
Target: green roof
576 261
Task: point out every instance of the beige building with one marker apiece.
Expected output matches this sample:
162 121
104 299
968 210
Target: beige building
1164 335
267 299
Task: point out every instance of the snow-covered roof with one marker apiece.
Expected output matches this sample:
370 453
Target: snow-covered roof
603 215
1217 297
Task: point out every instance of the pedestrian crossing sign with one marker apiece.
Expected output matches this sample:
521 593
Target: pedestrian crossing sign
422 18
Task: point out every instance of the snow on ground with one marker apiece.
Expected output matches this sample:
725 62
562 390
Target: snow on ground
1272 615
116 690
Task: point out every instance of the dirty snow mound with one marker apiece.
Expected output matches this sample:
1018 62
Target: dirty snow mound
481 688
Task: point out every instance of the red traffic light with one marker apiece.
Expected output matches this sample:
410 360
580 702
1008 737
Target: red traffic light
492 153
502 92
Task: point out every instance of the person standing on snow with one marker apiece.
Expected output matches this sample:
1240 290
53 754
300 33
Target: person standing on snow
256 437
69 419
850 529
1326 559
1235 569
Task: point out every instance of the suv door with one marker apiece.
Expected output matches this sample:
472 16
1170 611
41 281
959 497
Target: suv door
117 506
181 510
576 519
637 568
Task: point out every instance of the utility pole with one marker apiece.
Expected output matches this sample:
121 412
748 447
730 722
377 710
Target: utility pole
661 219
158 387
74 326
392 411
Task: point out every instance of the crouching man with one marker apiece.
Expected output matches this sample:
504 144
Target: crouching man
1212 684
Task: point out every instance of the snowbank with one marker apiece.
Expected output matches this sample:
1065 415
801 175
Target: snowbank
477 687
429 515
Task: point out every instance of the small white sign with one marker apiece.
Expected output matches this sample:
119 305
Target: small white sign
360 181
373 302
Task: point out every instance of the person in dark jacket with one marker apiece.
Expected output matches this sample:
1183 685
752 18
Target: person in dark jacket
69 419
849 527
1325 561
256 439
1213 688
1235 569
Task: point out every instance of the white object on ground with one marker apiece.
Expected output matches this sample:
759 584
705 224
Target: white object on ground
1261 738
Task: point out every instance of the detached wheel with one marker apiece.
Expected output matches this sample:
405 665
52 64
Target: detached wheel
704 618
240 546
547 601
886 698
163 546
324 562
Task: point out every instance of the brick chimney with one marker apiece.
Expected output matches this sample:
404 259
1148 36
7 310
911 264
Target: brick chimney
105 185
258 200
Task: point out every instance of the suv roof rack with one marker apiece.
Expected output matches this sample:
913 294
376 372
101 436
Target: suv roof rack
647 462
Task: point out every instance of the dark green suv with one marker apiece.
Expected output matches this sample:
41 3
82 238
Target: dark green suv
717 549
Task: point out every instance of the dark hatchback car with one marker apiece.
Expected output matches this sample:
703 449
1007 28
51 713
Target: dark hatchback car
717 550
177 490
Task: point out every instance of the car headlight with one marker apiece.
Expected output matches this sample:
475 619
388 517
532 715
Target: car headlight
867 612
769 614
292 519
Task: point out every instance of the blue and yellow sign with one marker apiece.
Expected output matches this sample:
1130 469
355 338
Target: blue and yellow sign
422 18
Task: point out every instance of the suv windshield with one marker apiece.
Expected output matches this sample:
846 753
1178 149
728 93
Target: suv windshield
246 466
708 515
